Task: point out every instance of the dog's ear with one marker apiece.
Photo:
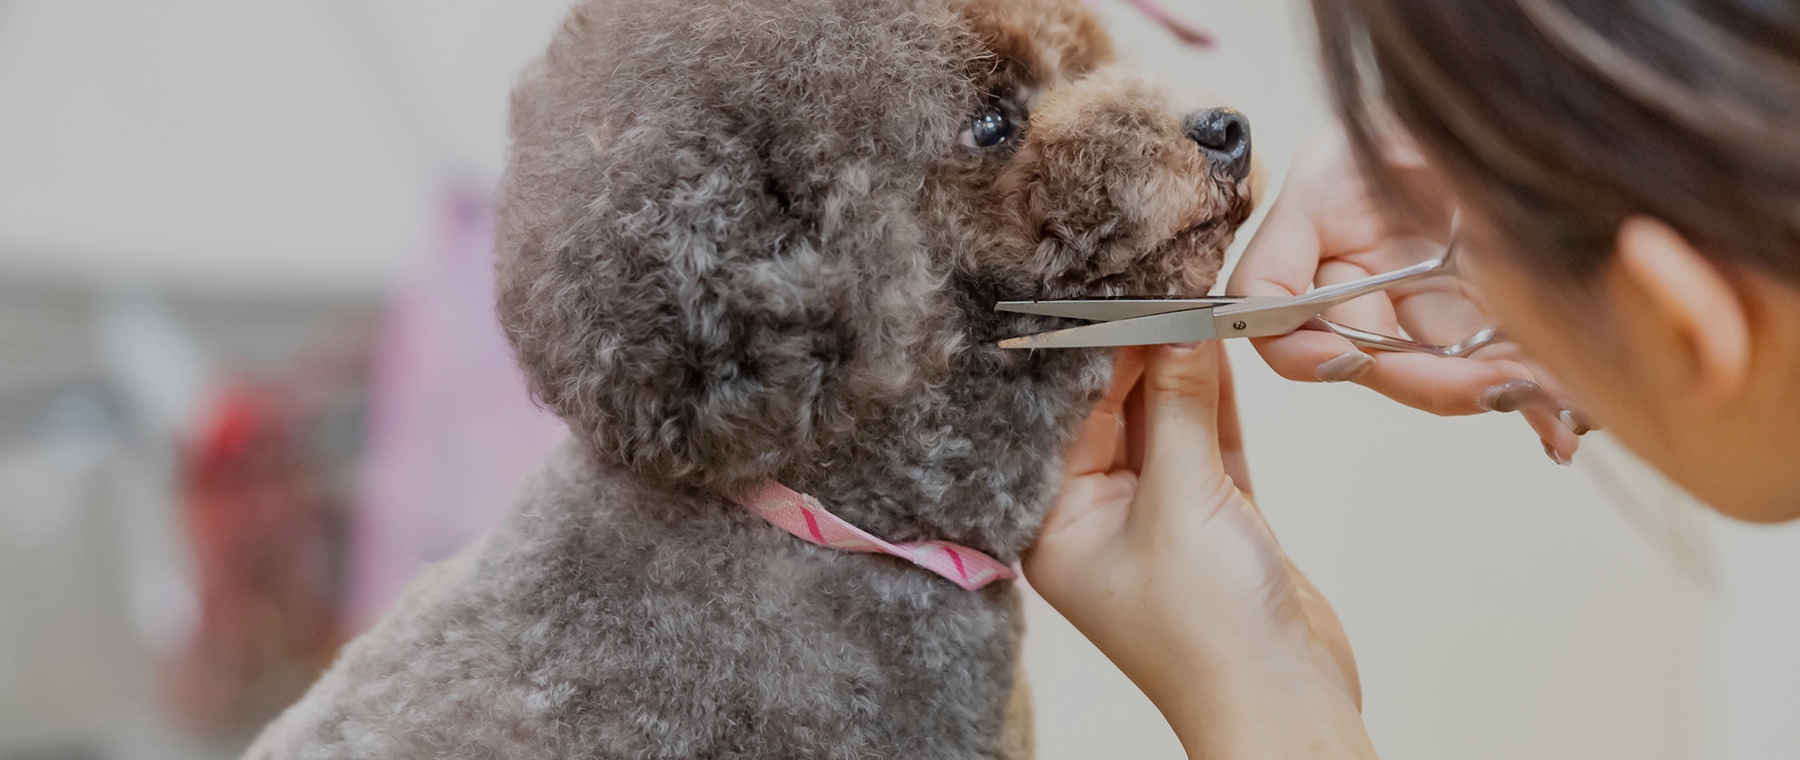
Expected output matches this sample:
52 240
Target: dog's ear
709 250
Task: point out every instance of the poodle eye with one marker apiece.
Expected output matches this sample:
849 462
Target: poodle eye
992 127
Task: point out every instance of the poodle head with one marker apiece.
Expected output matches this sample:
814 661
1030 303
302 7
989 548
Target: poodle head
743 240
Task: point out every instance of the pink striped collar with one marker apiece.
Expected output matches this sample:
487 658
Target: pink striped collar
806 518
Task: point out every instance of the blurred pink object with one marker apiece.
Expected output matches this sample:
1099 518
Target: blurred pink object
452 432
1186 31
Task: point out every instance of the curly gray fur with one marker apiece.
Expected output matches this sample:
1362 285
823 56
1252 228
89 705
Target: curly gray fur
740 240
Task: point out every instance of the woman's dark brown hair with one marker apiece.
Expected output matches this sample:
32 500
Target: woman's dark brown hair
1556 119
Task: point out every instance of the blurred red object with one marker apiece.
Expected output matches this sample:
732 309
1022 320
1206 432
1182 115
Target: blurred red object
265 518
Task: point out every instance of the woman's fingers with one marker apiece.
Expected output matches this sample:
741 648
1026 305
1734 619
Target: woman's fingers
1282 257
1231 430
1442 386
1100 443
1543 413
1451 387
1373 312
1313 356
1435 384
1439 311
1180 425
1181 401
1095 491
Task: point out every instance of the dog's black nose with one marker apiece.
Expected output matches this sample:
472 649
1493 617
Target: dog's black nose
1224 135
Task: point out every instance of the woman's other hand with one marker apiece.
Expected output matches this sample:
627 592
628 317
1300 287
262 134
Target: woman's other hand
1155 551
1324 228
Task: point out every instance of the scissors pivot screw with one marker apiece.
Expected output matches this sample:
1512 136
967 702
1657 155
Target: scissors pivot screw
1239 325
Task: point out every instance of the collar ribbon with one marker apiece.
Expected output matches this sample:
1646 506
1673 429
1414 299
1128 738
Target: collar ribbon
805 517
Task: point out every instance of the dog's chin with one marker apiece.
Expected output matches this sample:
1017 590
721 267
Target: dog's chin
1184 265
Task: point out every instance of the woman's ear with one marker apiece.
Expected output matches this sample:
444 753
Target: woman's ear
1693 302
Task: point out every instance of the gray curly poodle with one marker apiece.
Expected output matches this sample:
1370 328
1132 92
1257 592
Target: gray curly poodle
745 241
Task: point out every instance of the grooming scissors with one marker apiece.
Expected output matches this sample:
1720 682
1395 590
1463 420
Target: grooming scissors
1149 321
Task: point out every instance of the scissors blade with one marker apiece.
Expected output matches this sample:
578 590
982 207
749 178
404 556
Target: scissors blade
1175 327
1112 309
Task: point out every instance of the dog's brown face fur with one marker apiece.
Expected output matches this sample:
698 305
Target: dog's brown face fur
1098 190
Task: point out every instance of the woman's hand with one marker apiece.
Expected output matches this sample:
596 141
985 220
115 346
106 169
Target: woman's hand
1156 553
1323 229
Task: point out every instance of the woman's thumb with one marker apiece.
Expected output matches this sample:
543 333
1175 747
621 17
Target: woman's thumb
1181 412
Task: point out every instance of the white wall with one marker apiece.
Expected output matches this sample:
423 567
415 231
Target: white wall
276 144
1753 650
1499 607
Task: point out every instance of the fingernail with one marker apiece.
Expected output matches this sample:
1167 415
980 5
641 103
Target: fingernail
1556 456
1344 367
1187 346
1577 422
1508 396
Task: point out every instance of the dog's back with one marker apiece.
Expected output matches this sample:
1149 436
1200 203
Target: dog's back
606 620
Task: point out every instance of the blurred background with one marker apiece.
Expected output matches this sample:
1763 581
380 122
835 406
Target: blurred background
249 383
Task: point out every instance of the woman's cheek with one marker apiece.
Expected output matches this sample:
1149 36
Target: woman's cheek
1544 334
